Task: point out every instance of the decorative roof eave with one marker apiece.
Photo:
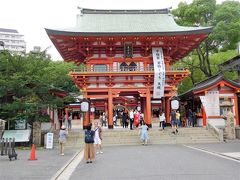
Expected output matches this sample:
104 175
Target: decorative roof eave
209 84
126 11
58 92
232 64
70 33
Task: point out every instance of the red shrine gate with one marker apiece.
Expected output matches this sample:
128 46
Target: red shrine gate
116 48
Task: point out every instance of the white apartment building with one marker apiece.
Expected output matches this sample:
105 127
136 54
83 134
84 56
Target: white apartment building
12 40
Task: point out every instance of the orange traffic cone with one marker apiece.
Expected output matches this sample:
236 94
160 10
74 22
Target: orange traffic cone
33 154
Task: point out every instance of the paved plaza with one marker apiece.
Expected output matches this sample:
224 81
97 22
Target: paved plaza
167 162
47 164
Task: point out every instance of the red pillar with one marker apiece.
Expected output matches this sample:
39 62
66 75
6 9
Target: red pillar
163 104
53 123
144 109
148 116
66 112
167 109
204 116
86 119
106 107
110 109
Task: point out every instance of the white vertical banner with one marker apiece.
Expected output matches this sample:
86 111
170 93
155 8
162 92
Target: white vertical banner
159 72
212 103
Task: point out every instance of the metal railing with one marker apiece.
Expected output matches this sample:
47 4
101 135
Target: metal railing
7 148
123 69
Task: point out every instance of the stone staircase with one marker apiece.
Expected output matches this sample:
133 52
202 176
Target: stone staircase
126 137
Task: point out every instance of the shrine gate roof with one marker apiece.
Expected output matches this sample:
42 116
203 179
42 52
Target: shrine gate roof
127 22
209 83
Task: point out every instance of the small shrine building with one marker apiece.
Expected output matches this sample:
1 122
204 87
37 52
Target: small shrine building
212 99
119 49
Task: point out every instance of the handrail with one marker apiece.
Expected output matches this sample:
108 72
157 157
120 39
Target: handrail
122 69
218 132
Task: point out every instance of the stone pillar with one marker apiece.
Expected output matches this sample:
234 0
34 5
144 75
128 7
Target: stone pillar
230 126
110 109
148 116
236 109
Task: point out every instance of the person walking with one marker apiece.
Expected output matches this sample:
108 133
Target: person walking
104 119
174 122
178 122
144 134
162 120
98 138
136 118
62 139
124 120
190 117
70 122
131 117
141 118
89 153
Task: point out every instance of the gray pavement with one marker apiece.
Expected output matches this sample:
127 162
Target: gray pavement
230 146
47 164
165 162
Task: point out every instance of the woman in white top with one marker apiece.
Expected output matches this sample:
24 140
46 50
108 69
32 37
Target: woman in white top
98 137
162 120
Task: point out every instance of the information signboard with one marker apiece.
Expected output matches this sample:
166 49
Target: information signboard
19 135
49 143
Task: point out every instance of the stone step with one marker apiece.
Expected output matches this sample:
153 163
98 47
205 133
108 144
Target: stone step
136 133
136 140
127 137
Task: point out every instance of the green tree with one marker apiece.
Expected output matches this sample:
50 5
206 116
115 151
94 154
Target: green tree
225 18
197 75
26 83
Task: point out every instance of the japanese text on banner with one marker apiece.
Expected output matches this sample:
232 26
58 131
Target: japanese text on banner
159 72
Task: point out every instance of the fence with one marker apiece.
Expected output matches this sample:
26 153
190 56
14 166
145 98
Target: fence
7 147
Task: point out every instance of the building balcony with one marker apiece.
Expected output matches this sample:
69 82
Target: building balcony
124 70
133 76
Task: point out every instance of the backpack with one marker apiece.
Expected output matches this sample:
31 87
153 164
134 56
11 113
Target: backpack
88 137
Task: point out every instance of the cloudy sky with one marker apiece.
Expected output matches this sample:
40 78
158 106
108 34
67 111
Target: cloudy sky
30 17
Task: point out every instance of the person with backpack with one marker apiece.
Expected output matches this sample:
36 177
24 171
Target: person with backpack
89 153
98 138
